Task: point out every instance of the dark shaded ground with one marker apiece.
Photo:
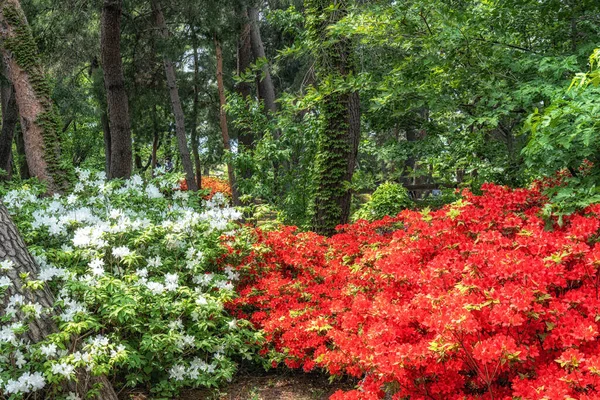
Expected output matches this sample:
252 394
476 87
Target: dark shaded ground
287 385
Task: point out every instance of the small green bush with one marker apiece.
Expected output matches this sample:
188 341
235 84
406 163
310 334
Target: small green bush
388 199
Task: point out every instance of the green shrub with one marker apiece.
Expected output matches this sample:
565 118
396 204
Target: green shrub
388 199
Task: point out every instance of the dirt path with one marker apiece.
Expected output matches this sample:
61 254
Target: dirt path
270 386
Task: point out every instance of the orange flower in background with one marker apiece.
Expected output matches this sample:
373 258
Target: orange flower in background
211 183
216 185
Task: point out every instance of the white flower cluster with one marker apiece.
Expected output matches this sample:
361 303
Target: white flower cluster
180 372
90 225
28 382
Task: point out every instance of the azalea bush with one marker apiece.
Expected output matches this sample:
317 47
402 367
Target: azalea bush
134 267
211 185
483 298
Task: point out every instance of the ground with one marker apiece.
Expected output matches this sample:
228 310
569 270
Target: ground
270 386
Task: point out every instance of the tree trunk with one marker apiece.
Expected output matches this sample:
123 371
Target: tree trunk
338 144
10 117
155 140
266 90
13 248
39 121
23 167
107 145
196 105
184 151
116 95
223 121
244 60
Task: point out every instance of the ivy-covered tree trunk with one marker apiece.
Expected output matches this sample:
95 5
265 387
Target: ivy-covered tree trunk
116 95
39 120
340 109
13 248
184 151
223 121
10 117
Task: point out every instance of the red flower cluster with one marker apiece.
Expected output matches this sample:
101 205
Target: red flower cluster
480 299
212 184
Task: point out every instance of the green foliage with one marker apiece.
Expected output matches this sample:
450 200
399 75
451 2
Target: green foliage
389 199
279 171
564 137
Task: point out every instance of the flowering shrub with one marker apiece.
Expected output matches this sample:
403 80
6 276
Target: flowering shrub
134 267
211 184
480 299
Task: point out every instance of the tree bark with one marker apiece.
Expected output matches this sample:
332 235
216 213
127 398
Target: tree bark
155 140
244 61
13 248
196 105
10 117
223 121
107 145
266 90
23 167
338 143
116 95
39 120
184 151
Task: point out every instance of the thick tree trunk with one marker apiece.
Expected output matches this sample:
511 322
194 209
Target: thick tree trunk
10 117
116 95
196 105
338 144
184 151
39 121
266 90
223 121
13 248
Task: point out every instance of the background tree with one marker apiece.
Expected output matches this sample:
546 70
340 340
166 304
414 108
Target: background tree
118 107
175 103
39 119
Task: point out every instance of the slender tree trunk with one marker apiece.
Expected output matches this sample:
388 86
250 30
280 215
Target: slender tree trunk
266 90
116 95
137 161
184 151
155 140
13 248
196 105
23 167
39 120
107 145
154 161
244 60
10 117
223 121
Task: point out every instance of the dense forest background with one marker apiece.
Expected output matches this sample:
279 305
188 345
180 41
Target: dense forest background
305 105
